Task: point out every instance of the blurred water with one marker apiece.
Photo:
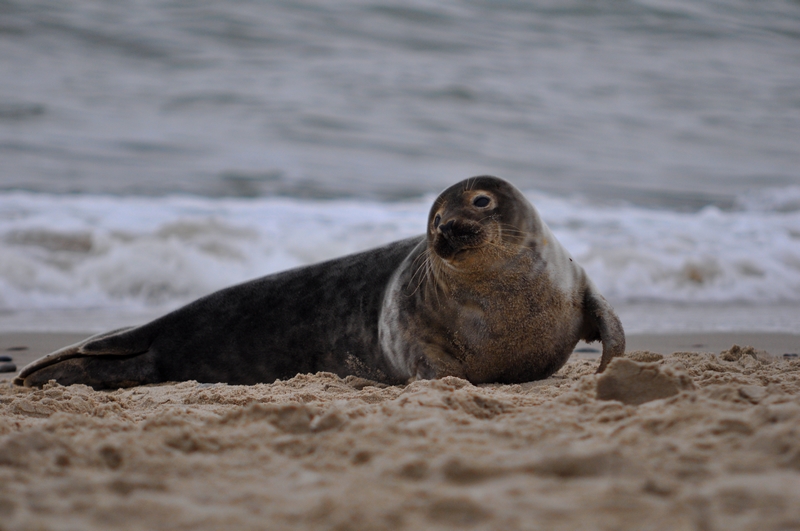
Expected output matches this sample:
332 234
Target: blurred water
669 103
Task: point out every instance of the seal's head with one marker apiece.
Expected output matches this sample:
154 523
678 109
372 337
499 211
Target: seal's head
478 218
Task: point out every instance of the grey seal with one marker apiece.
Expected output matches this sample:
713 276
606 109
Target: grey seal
488 294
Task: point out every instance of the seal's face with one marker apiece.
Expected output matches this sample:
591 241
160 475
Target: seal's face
477 217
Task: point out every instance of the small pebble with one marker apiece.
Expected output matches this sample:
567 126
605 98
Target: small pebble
6 358
8 367
791 355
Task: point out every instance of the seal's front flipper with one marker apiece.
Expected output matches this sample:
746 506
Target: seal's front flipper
603 324
120 358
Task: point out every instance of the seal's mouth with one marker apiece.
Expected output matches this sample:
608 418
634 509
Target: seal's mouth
456 237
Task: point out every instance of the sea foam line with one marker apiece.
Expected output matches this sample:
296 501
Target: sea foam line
105 251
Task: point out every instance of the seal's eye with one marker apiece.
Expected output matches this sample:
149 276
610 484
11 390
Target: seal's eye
436 221
481 201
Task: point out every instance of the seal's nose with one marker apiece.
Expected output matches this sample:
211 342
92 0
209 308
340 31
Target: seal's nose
446 228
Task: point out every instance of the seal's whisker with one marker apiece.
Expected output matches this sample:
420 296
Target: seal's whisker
512 230
425 274
423 265
470 184
422 256
509 226
433 265
443 271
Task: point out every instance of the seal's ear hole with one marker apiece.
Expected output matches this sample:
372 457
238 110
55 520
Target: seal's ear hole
436 221
481 201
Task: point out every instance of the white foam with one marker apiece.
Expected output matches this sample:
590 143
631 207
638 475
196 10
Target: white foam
90 251
143 254
636 254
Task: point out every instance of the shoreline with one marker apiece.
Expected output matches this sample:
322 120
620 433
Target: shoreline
25 347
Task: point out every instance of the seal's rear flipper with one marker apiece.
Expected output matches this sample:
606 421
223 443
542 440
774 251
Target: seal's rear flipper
99 372
119 358
603 325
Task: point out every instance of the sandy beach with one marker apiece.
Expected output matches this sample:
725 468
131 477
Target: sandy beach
702 439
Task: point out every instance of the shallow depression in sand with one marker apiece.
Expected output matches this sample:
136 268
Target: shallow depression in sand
691 441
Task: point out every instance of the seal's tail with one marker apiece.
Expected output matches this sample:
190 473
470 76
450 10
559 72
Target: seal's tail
120 358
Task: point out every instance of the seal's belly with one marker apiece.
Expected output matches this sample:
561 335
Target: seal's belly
515 338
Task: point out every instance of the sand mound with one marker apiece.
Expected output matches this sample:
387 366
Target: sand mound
713 444
635 383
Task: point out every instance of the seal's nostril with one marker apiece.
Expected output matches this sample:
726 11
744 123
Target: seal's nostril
447 227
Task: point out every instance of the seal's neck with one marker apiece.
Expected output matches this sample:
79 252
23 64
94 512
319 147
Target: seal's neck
492 270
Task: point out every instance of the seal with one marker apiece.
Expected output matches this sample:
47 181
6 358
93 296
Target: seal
487 294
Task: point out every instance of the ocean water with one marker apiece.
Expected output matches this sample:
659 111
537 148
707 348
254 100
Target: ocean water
154 151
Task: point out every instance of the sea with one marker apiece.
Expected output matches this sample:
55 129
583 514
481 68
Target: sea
153 151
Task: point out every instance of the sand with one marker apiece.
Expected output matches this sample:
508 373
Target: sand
693 440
